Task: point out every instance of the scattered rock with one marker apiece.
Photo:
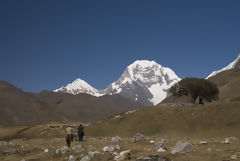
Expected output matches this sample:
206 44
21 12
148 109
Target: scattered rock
117 147
111 148
79 151
25 151
147 149
166 137
118 116
86 158
233 138
209 149
115 139
182 147
72 158
186 138
226 141
10 151
143 158
100 137
139 137
123 155
161 150
11 144
62 150
153 158
93 154
159 145
203 142
129 112
233 157
75 147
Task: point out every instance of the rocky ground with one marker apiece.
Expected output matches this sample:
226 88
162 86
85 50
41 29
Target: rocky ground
136 148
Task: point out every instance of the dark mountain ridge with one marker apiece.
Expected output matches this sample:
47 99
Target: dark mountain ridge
18 107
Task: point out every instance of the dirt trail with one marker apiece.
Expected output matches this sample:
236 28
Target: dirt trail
17 135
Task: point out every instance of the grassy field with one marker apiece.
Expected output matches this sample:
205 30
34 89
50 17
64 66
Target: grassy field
216 119
213 123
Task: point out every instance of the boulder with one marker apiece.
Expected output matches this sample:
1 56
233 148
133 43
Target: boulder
62 150
93 154
152 142
123 155
115 139
153 158
182 147
139 137
77 147
111 148
203 142
72 158
161 150
227 141
159 145
233 157
86 158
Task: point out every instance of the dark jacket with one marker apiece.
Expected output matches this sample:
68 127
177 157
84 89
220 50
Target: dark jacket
80 130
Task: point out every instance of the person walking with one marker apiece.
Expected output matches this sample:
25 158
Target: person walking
80 133
69 136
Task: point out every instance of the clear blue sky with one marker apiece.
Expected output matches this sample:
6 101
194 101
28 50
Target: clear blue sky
45 44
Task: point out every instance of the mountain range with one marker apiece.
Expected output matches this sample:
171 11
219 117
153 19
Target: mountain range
146 82
142 83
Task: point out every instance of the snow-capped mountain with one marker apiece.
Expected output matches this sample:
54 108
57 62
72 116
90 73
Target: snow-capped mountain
143 81
79 86
232 65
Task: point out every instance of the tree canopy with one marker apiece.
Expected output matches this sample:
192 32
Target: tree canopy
195 88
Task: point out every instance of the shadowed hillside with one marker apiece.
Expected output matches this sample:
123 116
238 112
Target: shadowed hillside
18 107
84 107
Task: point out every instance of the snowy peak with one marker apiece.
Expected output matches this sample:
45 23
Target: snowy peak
79 86
149 71
145 79
232 65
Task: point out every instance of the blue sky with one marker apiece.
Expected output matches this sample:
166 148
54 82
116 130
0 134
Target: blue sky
46 44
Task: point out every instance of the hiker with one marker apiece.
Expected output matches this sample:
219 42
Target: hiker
69 136
201 101
80 133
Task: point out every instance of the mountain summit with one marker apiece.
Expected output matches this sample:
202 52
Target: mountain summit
79 86
143 81
233 65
